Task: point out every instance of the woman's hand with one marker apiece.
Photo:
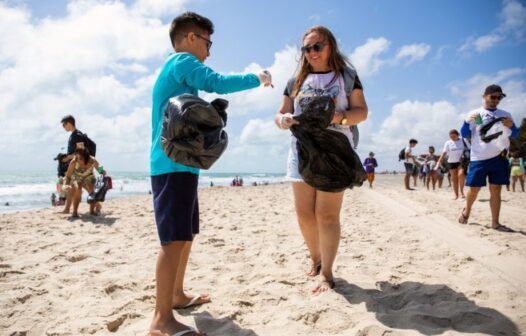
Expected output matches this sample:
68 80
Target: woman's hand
285 120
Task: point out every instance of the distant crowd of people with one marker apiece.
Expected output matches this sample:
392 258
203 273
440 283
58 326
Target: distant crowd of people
478 155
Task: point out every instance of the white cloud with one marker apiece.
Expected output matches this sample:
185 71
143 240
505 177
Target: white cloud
366 58
92 63
513 18
159 8
512 26
413 52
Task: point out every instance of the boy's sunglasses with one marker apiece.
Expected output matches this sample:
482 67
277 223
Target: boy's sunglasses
208 42
317 47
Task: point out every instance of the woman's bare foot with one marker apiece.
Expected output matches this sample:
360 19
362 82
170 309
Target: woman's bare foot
314 269
157 328
324 286
185 301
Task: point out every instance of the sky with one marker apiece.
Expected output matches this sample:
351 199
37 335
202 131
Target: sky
423 65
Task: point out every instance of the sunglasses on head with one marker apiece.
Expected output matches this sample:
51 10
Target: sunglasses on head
208 42
317 47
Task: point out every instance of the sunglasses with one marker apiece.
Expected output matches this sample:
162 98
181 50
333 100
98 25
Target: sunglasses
317 47
208 42
496 97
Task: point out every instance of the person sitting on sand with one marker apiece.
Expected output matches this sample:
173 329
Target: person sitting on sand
80 175
322 67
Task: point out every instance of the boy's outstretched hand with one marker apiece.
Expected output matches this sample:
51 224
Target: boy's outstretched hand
265 78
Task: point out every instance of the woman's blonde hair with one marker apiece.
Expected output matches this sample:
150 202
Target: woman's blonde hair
337 61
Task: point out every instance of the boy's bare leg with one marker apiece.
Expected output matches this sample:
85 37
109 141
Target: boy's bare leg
163 322
494 202
179 297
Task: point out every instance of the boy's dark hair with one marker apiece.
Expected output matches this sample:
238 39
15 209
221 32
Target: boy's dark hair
454 131
68 119
189 22
413 141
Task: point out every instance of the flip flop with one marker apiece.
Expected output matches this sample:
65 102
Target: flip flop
184 332
195 301
463 219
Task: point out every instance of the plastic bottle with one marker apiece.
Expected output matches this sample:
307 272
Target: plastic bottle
478 119
101 169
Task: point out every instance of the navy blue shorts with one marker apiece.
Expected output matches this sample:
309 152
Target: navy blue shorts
176 206
495 170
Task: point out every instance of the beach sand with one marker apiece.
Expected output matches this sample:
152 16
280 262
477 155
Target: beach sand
404 267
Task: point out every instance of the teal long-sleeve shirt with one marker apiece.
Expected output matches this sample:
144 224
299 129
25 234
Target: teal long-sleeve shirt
184 73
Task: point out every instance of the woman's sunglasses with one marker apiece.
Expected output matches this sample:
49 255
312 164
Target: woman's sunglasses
317 47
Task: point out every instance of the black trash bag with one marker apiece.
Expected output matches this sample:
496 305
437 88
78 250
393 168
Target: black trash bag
192 132
327 161
100 189
62 167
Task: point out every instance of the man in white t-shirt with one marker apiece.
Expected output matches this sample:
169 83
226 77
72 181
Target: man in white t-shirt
410 163
488 153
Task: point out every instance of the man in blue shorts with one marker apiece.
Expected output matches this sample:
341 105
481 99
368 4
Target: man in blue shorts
488 158
174 185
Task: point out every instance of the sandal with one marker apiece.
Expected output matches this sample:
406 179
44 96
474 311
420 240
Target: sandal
463 219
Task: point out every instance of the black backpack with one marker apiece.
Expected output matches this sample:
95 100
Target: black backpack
90 145
401 155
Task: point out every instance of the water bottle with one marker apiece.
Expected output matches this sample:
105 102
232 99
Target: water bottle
101 169
478 119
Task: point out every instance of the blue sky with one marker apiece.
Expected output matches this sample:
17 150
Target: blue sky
423 65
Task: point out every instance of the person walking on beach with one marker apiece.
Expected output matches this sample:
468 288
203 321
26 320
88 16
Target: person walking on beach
454 149
430 162
174 185
516 170
369 165
488 158
322 69
410 164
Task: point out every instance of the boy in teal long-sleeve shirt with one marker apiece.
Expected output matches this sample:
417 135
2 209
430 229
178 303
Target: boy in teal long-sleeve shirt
174 185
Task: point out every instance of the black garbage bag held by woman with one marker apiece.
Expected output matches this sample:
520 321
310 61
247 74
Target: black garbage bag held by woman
327 161
192 132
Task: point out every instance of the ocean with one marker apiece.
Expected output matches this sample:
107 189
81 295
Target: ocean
23 191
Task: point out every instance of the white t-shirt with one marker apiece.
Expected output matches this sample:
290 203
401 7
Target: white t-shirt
408 151
454 150
315 84
479 149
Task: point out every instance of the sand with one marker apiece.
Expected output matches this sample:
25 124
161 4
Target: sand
405 267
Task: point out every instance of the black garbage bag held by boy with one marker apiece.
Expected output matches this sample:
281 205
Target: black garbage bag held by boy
192 132
327 161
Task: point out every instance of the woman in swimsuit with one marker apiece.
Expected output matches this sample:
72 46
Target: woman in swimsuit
517 170
80 175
